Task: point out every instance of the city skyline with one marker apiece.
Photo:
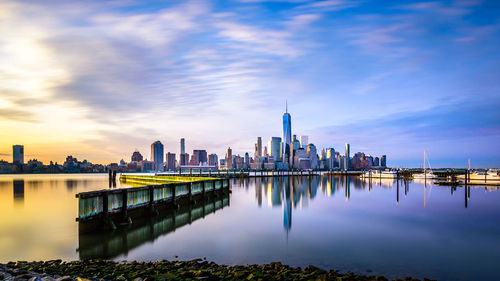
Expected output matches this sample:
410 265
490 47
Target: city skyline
394 79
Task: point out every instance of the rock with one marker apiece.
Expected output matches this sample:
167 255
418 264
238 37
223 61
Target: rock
64 278
24 276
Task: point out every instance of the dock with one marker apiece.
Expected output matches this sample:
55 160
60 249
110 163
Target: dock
470 183
111 244
110 208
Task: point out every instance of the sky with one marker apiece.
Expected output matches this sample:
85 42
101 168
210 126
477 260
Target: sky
99 79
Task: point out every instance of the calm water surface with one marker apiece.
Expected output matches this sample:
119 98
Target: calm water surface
381 227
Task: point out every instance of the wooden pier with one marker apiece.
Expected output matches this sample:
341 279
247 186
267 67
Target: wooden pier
110 208
110 244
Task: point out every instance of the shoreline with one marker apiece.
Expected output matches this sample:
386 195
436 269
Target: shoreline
197 269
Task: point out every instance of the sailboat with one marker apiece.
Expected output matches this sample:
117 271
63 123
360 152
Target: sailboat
426 174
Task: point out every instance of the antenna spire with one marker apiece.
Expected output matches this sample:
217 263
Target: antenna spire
286 106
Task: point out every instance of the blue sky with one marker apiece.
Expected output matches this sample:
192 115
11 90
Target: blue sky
98 79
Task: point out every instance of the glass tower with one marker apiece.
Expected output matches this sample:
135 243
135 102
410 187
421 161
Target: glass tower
287 135
347 156
157 155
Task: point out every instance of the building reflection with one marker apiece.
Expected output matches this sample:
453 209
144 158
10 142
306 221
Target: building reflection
18 187
290 192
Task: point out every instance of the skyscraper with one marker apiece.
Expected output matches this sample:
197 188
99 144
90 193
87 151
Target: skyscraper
347 156
199 157
18 154
213 160
157 155
258 147
383 161
330 158
287 136
304 141
170 161
183 158
247 160
229 158
183 146
275 148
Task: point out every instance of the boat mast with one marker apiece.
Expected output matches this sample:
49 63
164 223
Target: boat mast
424 161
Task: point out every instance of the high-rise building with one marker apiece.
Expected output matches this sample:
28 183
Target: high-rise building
157 155
304 141
275 147
247 160
183 146
18 154
170 165
182 155
295 143
265 152
312 154
347 156
287 136
199 157
330 158
383 161
229 158
184 159
213 159
258 147
136 156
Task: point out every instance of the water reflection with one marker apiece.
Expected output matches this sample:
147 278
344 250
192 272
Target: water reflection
290 192
110 244
331 222
18 187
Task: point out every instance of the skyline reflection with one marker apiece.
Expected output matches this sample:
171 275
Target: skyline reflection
291 192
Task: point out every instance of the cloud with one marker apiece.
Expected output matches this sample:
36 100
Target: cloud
328 5
102 75
250 38
16 115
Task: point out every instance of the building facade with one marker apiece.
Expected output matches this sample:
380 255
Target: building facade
347 158
287 136
136 157
18 154
229 158
157 155
170 165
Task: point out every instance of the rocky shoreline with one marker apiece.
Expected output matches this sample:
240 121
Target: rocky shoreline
167 270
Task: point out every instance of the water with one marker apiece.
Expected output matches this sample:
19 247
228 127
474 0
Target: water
379 228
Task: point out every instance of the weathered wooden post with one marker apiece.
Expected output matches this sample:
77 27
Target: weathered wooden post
190 194
124 202
173 187
105 205
151 196
203 189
